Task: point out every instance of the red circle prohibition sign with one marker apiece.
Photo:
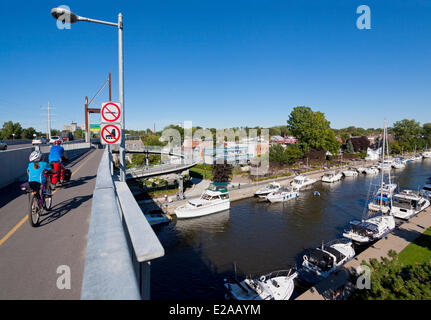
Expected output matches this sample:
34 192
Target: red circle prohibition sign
109 133
116 117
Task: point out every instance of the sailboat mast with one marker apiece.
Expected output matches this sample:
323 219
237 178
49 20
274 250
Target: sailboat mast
382 166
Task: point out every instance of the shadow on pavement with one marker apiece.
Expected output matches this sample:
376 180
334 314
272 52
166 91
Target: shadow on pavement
77 182
63 208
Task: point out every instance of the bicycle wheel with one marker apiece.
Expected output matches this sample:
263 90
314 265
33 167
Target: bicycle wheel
47 203
34 210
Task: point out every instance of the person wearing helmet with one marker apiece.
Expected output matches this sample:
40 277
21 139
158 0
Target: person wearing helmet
36 170
56 153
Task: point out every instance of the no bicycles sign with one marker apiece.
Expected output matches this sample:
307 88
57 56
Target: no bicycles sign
111 112
110 133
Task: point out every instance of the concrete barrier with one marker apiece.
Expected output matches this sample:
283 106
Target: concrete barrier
120 244
15 142
13 165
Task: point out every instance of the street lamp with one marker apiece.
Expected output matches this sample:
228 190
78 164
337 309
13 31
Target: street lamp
63 14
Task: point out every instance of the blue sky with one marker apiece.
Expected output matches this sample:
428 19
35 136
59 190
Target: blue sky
219 63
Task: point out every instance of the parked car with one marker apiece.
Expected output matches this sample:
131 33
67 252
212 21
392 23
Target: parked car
3 145
38 140
53 139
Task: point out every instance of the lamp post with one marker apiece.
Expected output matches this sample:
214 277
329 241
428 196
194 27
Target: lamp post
68 16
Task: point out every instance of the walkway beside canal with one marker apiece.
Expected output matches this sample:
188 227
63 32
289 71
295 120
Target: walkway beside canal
397 241
246 190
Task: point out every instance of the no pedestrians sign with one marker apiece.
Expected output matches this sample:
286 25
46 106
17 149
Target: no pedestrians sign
111 112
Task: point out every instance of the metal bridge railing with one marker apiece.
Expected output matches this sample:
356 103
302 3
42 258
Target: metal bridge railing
121 243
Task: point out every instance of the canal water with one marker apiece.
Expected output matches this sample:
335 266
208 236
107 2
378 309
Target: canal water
261 237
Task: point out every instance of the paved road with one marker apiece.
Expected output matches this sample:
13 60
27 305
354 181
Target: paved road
29 257
17 146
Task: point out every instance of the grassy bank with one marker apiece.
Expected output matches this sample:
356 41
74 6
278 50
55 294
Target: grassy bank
418 251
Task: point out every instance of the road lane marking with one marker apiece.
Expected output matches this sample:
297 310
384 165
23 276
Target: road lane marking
23 220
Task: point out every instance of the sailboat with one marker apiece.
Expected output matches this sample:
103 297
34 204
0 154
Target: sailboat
379 225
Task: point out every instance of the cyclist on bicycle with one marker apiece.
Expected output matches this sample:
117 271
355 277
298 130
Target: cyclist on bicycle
36 171
56 153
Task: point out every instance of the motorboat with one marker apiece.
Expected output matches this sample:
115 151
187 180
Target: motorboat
214 199
426 190
398 164
300 182
417 157
332 177
408 203
283 194
380 202
369 230
277 285
156 217
263 192
386 165
426 154
372 170
321 262
351 172
361 169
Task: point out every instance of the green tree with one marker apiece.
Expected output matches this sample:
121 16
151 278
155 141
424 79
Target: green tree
408 134
153 141
349 147
395 147
277 154
55 132
293 153
426 131
78 134
28 133
312 130
391 280
10 129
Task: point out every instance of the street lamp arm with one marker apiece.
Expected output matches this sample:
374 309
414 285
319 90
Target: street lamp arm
98 21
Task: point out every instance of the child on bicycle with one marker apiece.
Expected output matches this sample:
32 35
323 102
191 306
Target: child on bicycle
36 172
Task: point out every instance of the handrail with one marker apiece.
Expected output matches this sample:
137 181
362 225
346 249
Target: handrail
120 242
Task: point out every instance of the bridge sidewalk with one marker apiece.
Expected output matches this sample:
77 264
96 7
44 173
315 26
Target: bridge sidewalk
29 257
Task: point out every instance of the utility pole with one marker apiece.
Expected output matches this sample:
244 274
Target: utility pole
48 108
49 123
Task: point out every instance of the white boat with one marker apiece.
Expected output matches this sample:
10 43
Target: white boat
212 200
381 200
371 170
362 169
426 154
350 172
416 157
331 177
398 164
407 204
321 262
263 192
277 285
283 194
386 165
371 229
426 190
300 182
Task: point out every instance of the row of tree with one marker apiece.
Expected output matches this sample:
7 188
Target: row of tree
14 130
